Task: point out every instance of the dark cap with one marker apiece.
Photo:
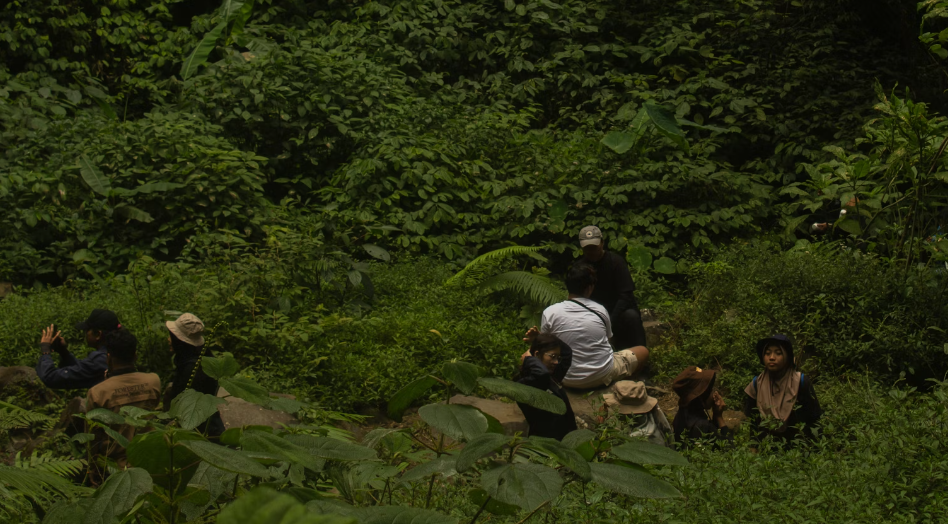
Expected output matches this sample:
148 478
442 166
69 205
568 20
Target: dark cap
775 340
101 320
692 383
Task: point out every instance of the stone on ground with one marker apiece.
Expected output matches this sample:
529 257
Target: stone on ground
507 413
237 413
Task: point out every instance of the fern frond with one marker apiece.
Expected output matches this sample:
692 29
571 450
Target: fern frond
61 467
492 257
536 288
18 485
16 418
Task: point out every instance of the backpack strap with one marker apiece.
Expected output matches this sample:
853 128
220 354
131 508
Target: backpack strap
755 383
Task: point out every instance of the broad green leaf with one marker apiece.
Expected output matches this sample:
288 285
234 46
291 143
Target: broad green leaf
558 210
457 422
400 515
241 18
577 437
619 141
647 453
524 485
461 374
666 122
479 447
105 416
102 100
117 496
332 449
152 451
84 255
224 458
93 177
443 465
156 187
246 389
408 394
631 482
274 446
850 225
191 408
287 405
666 265
263 505
563 454
640 258
199 56
376 252
494 506
220 367
134 213
230 8
526 394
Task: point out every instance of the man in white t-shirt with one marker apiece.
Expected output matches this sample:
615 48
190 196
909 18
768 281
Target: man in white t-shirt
585 326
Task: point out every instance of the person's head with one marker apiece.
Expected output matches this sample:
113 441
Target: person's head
694 385
99 323
590 239
581 280
549 349
121 348
775 353
186 333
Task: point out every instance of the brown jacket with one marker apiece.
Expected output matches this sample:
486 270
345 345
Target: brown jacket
141 390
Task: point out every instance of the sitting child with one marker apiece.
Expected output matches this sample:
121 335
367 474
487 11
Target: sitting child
544 366
780 394
695 389
628 397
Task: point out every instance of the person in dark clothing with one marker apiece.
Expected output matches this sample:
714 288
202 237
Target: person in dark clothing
695 389
544 366
186 337
73 373
615 289
780 400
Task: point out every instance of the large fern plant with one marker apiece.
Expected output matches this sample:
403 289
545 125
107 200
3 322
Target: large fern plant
34 483
485 274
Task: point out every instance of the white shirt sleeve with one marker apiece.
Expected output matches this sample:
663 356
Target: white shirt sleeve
545 326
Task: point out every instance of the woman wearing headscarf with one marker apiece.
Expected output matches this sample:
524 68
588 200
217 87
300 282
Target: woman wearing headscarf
695 389
781 398
186 338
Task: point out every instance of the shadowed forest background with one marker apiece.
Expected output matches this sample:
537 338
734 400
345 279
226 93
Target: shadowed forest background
307 176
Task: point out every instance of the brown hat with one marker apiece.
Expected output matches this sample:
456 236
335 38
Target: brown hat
188 328
628 397
692 383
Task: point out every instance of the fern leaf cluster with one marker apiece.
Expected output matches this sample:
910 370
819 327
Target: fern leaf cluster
536 288
21 487
16 418
61 467
477 269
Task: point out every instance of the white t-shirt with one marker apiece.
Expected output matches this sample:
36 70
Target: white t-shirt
585 333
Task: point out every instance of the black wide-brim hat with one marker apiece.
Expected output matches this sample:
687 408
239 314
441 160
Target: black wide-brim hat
780 340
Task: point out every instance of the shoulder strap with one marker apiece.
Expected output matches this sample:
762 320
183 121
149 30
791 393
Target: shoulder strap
755 382
593 311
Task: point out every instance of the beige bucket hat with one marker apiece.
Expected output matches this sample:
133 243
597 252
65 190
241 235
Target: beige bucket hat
188 328
628 397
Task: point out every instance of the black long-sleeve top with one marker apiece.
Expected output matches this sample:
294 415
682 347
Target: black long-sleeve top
614 289
184 364
72 373
544 423
806 410
692 423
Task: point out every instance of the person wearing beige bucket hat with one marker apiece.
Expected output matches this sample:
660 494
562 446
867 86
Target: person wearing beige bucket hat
186 338
628 397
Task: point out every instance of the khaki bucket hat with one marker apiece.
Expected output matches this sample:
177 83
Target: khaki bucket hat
188 328
628 397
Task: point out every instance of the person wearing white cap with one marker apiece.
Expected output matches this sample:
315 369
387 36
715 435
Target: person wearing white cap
628 397
615 289
186 338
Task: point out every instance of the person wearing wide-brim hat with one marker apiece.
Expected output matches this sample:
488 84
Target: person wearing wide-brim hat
695 389
186 340
781 398
629 397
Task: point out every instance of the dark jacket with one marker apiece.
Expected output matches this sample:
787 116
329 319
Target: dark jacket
806 410
692 423
184 364
72 373
544 423
614 289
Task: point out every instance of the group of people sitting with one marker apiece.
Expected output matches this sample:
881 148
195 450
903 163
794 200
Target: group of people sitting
573 348
110 374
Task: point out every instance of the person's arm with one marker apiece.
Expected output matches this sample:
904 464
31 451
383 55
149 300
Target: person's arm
623 285
84 373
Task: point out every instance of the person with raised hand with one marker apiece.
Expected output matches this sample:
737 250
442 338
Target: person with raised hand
781 398
73 373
